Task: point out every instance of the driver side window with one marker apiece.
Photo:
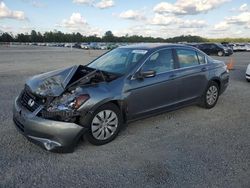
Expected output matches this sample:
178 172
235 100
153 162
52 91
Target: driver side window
161 61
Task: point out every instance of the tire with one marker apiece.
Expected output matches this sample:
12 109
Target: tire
210 96
248 80
105 124
220 53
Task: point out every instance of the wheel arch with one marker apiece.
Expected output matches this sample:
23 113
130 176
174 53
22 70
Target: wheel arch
216 80
119 103
122 107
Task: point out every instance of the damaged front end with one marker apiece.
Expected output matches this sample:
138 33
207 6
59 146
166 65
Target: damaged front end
48 107
64 108
60 91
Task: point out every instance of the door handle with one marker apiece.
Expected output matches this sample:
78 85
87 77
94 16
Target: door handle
204 69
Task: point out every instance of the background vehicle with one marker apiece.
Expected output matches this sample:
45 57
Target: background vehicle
248 73
239 47
215 49
77 45
247 47
56 108
228 46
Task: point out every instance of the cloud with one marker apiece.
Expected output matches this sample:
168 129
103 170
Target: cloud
77 23
192 24
25 29
156 31
163 20
241 19
166 20
38 4
35 3
242 8
5 28
103 4
184 7
87 2
132 15
222 26
5 12
238 23
144 30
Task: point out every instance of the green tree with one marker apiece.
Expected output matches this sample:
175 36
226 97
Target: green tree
6 37
33 36
109 37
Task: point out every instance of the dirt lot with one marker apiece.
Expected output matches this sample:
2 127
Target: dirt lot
191 147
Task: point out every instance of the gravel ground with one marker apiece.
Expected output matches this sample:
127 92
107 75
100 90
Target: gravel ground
190 147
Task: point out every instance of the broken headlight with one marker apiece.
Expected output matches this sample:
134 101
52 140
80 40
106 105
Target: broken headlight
67 102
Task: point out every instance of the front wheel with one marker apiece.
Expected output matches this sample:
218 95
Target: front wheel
105 124
211 95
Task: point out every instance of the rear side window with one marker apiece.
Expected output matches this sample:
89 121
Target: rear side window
202 58
187 58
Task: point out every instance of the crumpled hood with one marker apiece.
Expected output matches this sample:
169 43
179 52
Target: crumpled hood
51 83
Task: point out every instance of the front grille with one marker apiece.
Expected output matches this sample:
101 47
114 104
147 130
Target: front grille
66 116
27 96
18 124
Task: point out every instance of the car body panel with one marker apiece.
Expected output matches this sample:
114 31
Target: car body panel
248 72
192 82
52 83
136 97
51 135
152 88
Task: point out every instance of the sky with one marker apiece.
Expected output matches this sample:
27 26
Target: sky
156 18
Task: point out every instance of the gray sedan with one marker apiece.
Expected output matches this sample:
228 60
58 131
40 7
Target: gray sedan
57 108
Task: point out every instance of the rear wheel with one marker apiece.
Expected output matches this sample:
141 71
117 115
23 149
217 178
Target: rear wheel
105 124
211 95
248 80
220 53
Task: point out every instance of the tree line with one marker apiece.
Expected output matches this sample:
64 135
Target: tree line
58 37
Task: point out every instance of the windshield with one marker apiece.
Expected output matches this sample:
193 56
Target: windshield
118 61
220 45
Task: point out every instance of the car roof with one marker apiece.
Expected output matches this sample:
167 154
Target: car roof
153 46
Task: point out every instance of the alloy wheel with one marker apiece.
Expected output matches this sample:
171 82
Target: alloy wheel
212 95
104 124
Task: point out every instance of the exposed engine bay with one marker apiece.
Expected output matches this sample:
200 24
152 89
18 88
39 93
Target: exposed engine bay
59 92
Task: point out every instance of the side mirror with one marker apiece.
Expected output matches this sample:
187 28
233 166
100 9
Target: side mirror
145 74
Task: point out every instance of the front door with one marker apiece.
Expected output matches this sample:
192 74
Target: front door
148 94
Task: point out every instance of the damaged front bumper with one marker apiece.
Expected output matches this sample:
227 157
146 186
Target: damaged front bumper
52 135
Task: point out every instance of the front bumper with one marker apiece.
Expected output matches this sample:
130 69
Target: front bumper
224 82
52 135
228 53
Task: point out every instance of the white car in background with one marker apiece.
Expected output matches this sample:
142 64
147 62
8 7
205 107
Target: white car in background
248 73
239 47
248 47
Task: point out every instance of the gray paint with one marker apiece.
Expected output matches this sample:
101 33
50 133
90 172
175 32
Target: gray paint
136 97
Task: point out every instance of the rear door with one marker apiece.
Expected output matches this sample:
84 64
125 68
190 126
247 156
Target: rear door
214 49
193 72
148 94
